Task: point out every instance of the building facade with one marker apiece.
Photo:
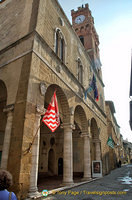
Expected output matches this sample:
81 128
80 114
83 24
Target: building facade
41 52
127 152
116 153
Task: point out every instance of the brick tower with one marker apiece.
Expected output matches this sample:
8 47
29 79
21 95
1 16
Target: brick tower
83 24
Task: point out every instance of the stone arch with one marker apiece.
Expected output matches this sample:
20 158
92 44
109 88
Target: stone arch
81 128
53 140
62 102
80 118
3 117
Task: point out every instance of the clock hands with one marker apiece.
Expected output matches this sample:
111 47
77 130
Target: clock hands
79 19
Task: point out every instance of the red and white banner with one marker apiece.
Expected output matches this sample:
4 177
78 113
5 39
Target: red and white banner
51 117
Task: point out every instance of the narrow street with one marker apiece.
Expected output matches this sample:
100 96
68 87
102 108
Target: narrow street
115 186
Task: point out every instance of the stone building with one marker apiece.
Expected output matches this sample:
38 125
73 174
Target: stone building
121 148
40 52
127 151
113 130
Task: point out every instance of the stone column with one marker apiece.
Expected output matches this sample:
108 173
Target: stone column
67 155
87 157
33 189
6 144
98 150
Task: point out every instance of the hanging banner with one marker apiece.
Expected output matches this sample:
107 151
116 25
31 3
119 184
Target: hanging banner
51 117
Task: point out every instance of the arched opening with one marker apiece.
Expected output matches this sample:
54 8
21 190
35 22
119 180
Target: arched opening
51 143
78 143
3 117
60 166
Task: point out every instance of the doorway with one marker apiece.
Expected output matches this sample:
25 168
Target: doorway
60 166
51 162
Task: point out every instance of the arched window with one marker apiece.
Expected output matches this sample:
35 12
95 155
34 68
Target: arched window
82 39
80 71
60 45
62 49
57 42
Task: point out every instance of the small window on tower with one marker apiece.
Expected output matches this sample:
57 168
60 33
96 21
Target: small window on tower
82 27
82 39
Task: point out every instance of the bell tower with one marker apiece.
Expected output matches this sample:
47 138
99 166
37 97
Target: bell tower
83 24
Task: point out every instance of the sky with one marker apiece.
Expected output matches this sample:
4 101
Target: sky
113 23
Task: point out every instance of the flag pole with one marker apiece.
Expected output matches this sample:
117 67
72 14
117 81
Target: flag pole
46 115
28 150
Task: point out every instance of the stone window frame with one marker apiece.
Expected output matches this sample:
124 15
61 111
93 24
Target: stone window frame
80 70
60 45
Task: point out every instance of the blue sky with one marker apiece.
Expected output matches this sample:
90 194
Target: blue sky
113 23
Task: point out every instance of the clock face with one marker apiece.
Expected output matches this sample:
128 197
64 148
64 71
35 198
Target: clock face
79 19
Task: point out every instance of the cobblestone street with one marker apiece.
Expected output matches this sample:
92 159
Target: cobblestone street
118 183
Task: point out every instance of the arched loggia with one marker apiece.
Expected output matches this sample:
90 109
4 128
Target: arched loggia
80 153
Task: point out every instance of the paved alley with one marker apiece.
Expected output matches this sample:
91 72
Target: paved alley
115 186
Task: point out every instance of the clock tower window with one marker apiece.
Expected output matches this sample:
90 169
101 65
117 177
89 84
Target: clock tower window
82 39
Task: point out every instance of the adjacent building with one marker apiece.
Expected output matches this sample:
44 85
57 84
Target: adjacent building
127 152
113 130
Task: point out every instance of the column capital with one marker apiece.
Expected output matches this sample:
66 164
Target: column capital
85 134
8 108
96 140
68 125
40 109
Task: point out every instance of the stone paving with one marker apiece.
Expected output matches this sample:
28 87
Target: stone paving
115 186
